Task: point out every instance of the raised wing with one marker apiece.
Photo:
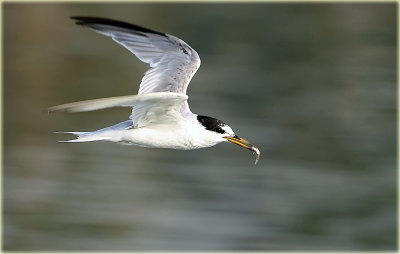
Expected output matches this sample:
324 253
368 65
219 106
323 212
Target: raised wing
173 63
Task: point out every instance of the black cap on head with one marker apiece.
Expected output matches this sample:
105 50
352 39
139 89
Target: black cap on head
211 124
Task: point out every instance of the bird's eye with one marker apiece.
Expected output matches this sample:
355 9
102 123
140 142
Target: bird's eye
219 130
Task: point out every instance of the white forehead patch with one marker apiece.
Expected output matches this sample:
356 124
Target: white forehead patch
227 129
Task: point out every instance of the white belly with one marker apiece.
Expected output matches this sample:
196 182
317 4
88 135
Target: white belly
185 135
173 137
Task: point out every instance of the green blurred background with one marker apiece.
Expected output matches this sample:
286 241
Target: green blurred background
313 85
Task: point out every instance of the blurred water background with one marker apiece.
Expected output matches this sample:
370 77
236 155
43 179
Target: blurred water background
313 85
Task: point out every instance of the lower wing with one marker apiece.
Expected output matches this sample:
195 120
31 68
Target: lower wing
120 101
150 108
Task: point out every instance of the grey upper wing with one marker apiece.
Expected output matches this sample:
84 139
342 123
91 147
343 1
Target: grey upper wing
173 63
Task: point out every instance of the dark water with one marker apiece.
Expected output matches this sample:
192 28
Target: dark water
312 85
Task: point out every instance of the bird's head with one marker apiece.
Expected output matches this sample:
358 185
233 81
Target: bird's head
222 132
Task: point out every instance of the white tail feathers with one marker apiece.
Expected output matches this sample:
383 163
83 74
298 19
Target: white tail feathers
99 135
82 137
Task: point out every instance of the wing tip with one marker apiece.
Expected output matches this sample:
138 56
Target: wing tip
54 110
51 110
87 21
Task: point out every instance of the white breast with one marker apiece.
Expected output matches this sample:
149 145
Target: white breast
185 135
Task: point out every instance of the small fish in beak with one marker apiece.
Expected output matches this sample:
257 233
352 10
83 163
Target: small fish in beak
246 144
256 152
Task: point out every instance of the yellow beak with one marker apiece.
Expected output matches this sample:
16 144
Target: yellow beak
246 144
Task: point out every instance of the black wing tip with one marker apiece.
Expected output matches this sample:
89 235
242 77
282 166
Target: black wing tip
86 20
78 19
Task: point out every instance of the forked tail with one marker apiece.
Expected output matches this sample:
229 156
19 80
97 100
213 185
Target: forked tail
82 137
105 134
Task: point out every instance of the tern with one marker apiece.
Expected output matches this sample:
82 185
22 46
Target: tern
161 116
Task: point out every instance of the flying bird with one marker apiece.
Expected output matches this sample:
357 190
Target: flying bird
160 116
